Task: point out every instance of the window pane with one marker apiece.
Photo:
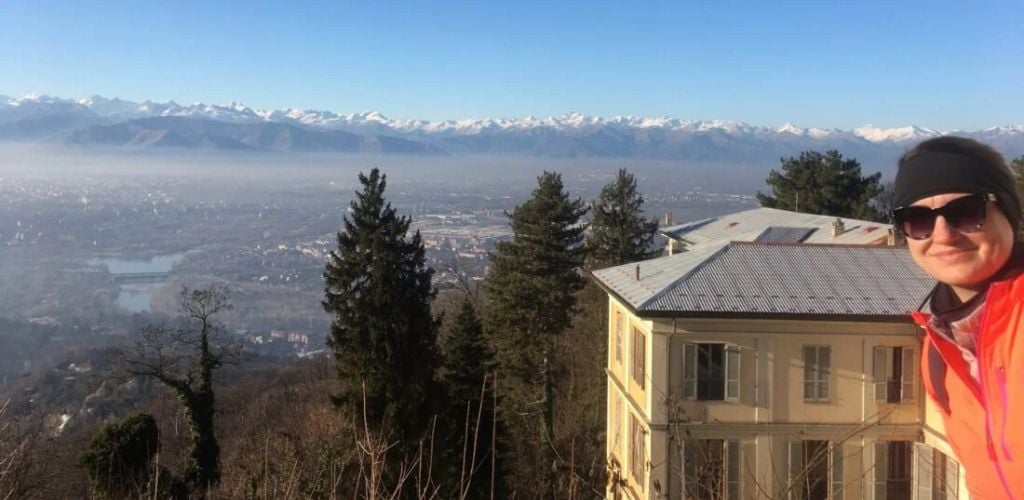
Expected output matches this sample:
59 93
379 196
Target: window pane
837 471
824 362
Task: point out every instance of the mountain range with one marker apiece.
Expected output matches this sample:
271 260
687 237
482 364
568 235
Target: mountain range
99 121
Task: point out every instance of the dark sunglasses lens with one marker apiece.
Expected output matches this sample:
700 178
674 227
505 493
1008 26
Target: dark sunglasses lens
966 214
916 222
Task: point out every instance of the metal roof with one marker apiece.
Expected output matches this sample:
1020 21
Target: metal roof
748 225
766 280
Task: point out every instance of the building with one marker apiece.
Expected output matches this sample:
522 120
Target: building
784 366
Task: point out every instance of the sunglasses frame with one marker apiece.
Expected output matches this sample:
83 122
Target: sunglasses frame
897 220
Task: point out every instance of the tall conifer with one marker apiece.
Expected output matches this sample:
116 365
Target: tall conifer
378 288
531 289
468 376
619 232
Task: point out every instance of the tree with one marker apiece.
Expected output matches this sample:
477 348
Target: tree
467 372
531 290
619 232
119 461
384 337
822 184
183 358
885 200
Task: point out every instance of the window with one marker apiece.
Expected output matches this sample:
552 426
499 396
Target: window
637 449
892 470
938 476
815 470
894 374
619 327
817 366
712 468
639 357
711 372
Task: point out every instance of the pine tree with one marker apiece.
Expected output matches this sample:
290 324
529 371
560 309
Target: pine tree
619 232
470 438
378 288
531 292
822 184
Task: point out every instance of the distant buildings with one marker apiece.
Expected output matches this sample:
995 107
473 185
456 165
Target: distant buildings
771 356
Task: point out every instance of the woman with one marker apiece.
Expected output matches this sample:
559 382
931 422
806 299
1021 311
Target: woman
960 211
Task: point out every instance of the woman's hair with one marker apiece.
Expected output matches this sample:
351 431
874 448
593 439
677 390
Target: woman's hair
982 153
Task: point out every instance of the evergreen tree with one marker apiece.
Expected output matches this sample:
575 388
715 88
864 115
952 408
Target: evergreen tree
619 232
822 184
531 289
378 288
467 372
117 462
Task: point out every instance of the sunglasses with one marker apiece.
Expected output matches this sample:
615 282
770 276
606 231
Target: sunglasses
965 215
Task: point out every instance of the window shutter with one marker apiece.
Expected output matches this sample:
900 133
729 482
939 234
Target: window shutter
810 373
639 357
797 475
732 472
952 479
881 371
837 471
619 327
689 371
923 471
824 369
881 468
909 372
732 372
690 467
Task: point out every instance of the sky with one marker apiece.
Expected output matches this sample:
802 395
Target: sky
941 64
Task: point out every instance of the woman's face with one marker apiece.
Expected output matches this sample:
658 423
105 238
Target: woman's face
963 259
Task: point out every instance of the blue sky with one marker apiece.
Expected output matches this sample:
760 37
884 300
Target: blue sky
940 63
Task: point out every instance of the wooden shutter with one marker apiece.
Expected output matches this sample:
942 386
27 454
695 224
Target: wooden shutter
923 471
881 468
619 328
882 366
909 374
732 470
639 357
797 472
689 371
836 470
952 479
732 372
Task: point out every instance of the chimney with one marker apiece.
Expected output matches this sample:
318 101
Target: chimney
837 227
668 219
895 238
671 246
638 272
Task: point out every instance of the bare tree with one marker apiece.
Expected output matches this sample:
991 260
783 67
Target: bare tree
183 357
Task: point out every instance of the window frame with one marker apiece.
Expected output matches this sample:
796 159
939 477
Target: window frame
822 375
731 370
894 373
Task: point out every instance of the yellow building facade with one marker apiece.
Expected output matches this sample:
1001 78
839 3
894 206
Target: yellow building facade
771 371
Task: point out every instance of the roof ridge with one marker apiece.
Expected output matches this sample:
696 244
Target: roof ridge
704 262
829 245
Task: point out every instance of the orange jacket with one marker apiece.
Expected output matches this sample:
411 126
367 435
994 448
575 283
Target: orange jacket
984 420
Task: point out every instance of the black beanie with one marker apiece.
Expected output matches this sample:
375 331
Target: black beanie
932 173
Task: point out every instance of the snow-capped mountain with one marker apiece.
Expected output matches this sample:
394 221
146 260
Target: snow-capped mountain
45 117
